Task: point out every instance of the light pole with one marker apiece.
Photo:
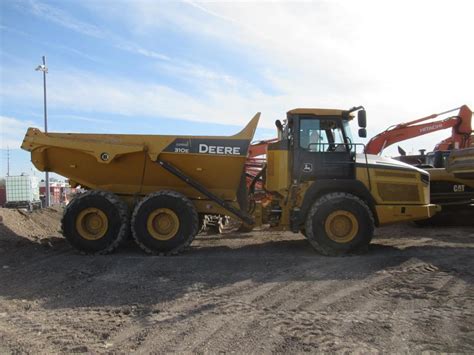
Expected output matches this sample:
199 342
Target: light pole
44 69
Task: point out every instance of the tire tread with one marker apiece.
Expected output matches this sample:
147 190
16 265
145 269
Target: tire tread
115 201
323 249
180 248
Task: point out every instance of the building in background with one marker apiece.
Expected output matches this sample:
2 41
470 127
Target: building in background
26 191
60 192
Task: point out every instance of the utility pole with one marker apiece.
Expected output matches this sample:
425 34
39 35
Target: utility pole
8 160
44 69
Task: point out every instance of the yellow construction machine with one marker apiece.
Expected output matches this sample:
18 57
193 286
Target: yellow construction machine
159 186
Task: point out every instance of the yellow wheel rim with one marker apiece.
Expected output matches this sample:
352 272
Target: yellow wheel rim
92 223
162 224
341 226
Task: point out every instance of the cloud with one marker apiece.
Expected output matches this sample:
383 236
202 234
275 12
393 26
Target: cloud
83 118
83 91
392 57
133 48
32 39
203 78
12 131
64 19
366 49
87 92
395 58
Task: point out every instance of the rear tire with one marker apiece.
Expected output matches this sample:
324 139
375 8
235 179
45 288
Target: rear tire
339 223
164 222
95 222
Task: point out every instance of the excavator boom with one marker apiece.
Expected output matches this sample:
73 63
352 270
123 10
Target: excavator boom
460 137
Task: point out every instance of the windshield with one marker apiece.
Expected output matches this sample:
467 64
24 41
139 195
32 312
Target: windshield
318 135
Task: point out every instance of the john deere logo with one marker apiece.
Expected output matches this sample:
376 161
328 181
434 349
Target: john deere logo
308 167
209 146
218 149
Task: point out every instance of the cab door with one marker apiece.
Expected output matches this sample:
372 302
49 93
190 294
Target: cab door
321 149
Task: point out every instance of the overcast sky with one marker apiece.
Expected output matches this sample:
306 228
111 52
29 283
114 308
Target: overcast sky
207 67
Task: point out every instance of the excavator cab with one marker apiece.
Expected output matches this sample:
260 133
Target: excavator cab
436 159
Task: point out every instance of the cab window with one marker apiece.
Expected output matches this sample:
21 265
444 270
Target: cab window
318 135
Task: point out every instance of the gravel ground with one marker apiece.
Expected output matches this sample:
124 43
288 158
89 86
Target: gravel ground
260 292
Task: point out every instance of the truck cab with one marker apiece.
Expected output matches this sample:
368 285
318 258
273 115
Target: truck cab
318 145
322 144
315 174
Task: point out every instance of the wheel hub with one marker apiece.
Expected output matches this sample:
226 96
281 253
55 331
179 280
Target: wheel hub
341 226
92 223
163 224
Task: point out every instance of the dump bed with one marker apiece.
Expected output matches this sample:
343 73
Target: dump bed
128 164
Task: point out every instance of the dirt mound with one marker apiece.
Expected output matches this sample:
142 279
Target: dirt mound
36 225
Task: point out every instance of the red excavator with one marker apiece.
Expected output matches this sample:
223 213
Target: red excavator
460 134
453 191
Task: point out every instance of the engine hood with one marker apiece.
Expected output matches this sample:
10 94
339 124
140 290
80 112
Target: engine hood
376 161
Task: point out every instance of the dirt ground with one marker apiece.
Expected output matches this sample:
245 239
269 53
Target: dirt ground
261 292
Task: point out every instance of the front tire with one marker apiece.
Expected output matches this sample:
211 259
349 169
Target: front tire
339 223
164 222
95 222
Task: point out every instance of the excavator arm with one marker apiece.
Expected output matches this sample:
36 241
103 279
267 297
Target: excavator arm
460 136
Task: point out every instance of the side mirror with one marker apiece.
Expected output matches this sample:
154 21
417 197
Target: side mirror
401 151
362 119
362 133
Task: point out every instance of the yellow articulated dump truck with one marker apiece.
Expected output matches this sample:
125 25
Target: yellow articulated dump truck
159 187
